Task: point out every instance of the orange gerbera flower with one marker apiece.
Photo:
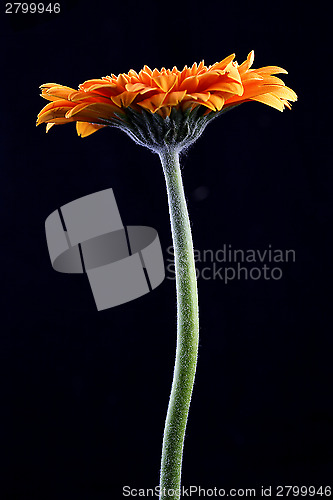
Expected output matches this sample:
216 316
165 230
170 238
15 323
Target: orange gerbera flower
167 111
127 100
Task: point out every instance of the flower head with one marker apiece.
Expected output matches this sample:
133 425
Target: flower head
159 106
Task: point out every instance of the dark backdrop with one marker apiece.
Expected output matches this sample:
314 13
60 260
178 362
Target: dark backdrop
85 393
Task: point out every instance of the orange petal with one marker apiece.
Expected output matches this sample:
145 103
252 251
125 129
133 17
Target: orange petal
47 85
51 114
165 82
75 110
133 74
202 66
285 93
48 126
80 95
227 86
85 129
232 72
89 83
147 69
198 102
270 100
102 86
217 102
153 103
124 99
222 64
272 80
122 80
145 77
198 95
61 120
271 70
164 111
255 90
49 97
56 104
207 79
194 68
190 84
135 87
251 75
185 73
94 112
246 65
173 98
55 92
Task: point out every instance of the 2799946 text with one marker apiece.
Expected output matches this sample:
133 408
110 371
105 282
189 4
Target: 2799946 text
32 8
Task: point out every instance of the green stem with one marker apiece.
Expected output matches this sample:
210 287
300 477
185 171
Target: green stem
187 329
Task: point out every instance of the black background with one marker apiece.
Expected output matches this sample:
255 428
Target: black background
85 393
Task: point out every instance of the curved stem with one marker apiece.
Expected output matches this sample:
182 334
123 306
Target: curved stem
187 329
